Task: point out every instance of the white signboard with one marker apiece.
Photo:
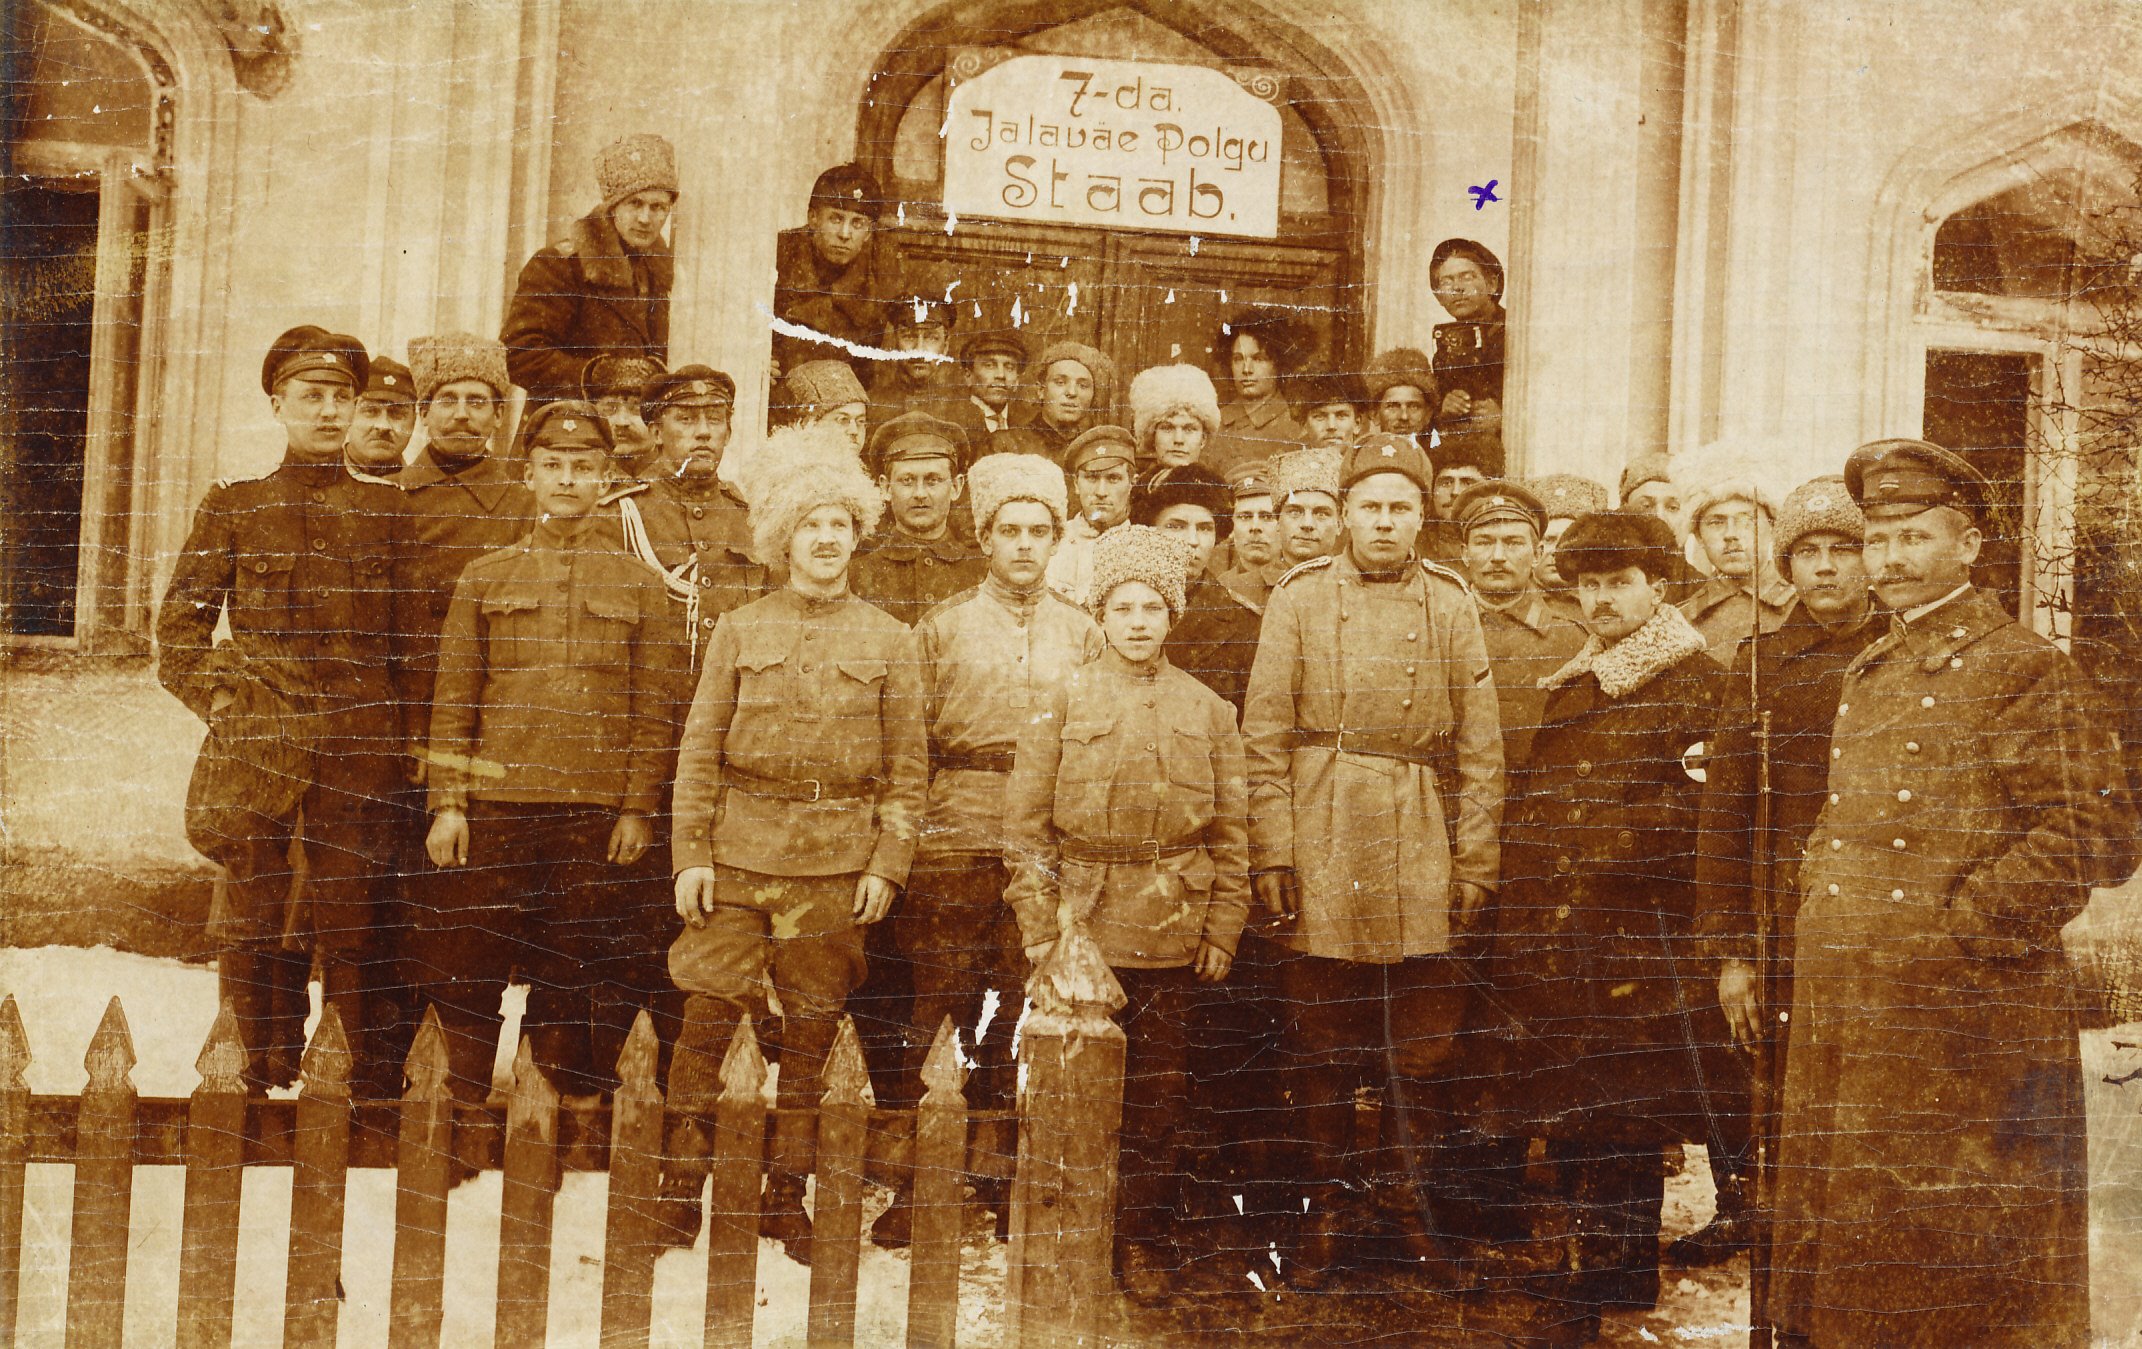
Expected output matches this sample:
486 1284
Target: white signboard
1070 140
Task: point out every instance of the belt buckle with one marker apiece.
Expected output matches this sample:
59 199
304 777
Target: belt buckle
818 791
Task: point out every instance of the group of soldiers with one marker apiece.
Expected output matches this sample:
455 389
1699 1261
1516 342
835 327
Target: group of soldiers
1361 765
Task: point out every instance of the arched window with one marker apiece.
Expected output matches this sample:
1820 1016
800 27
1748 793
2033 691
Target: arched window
86 121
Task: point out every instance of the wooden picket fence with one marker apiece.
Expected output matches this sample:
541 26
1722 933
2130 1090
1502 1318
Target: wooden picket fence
217 1132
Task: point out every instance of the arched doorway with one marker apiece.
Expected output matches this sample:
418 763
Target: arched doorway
1145 296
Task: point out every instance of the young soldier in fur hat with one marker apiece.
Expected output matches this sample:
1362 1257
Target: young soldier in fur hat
1175 413
604 288
838 276
1375 798
1127 815
800 786
992 659
1402 391
1310 524
385 420
1567 498
562 630
311 567
1595 921
1730 513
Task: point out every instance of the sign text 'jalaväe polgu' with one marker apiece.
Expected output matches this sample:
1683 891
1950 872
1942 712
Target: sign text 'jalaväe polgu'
1133 145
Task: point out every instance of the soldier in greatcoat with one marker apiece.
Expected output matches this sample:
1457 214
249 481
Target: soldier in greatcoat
604 288
801 783
1932 1162
1594 920
311 567
549 739
1376 784
1127 814
1260 350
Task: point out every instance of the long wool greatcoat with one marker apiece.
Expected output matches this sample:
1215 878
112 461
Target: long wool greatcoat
1932 1165
585 296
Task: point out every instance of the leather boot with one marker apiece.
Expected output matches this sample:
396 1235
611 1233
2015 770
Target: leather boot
783 1218
1423 1132
679 1205
1730 1232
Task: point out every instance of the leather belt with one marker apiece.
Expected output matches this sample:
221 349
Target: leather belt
1122 854
951 762
1357 742
795 789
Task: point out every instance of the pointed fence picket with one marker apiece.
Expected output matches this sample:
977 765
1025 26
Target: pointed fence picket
217 1132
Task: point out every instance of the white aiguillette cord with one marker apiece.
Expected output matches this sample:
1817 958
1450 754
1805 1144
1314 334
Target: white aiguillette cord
682 583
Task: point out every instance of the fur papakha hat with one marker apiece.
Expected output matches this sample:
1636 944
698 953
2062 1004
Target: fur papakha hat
1650 467
1719 473
1097 365
995 479
794 472
1568 495
1401 366
1139 553
1310 470
642 163
447 357
821 385
1818 506
1161 390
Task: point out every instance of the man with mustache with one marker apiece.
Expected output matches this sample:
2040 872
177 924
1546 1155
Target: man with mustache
604 288
1933 1161
311 568
384 422
1730 515
613 384
838 275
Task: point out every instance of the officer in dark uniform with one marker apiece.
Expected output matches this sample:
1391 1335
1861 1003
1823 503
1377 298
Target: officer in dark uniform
385 420
310 565
927 553
613 383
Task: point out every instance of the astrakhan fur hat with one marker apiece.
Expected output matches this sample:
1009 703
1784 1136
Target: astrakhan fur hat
1310 470
440 360
1818 506
995 479
795 471
1139 553
1161 390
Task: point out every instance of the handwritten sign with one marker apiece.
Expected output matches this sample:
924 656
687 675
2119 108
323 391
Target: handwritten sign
1132 145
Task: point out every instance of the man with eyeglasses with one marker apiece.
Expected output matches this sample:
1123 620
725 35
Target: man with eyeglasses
613 384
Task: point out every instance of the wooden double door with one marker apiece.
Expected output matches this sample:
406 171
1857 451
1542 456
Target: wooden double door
1143 299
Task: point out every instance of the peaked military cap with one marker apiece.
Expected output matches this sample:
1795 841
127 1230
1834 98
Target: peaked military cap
1252 478
916 310
1916 475
1607 541
568 425
1186 485
1006 341
1100 442
389 378
309 349
917 435
686 386
1385 452
1496 499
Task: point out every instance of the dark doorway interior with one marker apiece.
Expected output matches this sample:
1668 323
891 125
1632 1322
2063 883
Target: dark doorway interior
48 257
1978 404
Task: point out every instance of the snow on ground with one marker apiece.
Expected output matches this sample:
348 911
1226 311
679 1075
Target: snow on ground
62 992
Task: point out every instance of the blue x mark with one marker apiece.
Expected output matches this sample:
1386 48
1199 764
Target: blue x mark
1483 195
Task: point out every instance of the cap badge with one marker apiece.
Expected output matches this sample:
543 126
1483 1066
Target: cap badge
1498 501
698 389
1390 451
569 424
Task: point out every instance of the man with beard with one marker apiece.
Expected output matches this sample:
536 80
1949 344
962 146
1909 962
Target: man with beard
681 519
1595 920
924 558
1257 563
1376 790
1933 1164
613 385
1730 516
838 276
604 288
1076 386
1100 463
992 659
1798 677
384 422
310 566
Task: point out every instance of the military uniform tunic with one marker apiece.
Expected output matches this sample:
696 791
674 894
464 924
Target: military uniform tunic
1723 611
1526 641
907 577
703 541
458 513
1932 1167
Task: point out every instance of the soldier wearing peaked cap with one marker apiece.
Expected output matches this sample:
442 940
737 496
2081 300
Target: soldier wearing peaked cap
991 362
1102 464
604 288
385 420
928 553
1932 1162
838 276
311 568
1254 563
1376 785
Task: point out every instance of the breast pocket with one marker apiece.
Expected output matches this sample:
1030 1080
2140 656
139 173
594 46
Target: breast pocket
607 621
854 691
763 680
514 630
262 589
1188 755
1090 763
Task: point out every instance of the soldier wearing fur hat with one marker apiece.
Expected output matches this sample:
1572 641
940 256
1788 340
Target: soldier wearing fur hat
1402 392
1074 387
1730 516
1127 815
1260 348
563 629
1175 413
929 553
385 420
1306 483
838 276
1595 917
824 392
311 568
1376 786
801 782
1932 1165
1102 463
604 288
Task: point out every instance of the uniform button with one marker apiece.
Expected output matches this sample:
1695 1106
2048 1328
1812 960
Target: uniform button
1911 745
1149 702
1927 701
706 623
1836 753
706 581
1150 745
260 566
1405 702
1833 798
1956 634
810 636
1563 864
1409 669
1413 637
319 545
1342 615
319 496
1561 913
1833 887
1584 768
1896 843
1576 815
1904 795
699 512
1843 708
1625 839
807 667
1896 894
1836 845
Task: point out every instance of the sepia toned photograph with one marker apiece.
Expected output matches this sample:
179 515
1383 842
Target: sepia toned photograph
1045 673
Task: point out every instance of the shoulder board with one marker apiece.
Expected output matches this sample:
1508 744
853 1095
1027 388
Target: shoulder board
1301 568
619 494
1241 601
1449 574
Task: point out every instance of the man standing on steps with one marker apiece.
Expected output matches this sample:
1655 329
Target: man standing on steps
311 567
800 786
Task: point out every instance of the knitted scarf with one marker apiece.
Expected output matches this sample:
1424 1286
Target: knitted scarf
1666 639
